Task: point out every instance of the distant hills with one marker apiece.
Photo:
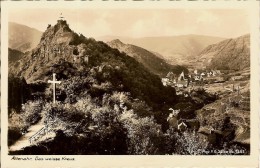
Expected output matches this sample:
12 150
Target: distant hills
230 54
22 38
174 49
157 54
150 60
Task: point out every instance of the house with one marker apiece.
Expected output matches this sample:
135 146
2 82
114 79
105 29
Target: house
181 77
196 72
208 74
179 93
186 95
214 73
182 126
214 137
218 72
174 112
182 84
165 81
197 78
202 75
170 76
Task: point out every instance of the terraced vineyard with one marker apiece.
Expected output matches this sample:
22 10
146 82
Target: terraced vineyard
232 104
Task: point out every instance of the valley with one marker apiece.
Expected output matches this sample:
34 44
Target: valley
173 49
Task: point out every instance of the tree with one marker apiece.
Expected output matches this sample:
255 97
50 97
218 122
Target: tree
18 93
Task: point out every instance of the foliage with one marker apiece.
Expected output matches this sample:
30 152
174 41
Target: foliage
145 136
92 123
185 143
20 122
29 115
110 126
18 93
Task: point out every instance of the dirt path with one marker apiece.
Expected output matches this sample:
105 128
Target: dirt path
24 140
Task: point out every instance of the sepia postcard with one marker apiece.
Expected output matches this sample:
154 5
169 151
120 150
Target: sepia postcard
130 84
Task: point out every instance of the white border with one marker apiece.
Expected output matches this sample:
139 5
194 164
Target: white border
140 161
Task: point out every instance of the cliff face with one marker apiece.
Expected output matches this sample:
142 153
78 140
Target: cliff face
150 61
231 54
58 44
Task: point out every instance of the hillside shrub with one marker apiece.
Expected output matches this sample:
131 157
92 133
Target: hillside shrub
185 143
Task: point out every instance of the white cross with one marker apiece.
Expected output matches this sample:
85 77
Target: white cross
54 82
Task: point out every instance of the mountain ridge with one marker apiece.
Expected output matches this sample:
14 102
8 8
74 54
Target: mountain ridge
230 54
150 60
174 49
22 37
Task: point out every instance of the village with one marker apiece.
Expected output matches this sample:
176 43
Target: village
184 83
196 78
228 88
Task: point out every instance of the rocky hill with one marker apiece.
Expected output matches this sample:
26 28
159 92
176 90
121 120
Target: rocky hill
22 38
47 53
150 60
175 49
231 54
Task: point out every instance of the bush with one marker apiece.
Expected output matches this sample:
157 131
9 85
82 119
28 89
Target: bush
186 143
144 135
29 115
18 123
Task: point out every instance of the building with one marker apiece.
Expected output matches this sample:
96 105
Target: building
182 84
182 126
181 77
165 81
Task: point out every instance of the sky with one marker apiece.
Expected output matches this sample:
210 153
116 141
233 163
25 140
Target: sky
227 23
